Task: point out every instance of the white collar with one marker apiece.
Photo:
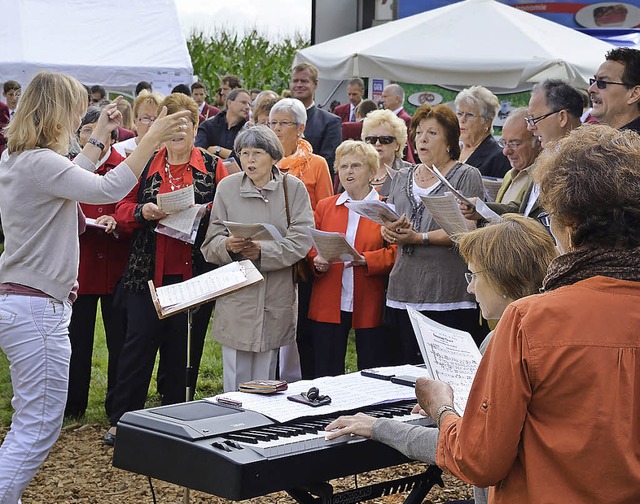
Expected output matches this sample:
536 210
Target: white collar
104 158
344 197
397 111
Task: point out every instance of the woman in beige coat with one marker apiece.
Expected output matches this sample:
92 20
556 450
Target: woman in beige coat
253 323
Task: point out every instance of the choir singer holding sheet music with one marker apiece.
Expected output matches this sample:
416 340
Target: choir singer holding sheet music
253 323
347 295
507 261
429 274
556 394
165 260
39 191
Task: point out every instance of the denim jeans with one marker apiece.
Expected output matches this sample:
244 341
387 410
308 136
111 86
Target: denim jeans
34 336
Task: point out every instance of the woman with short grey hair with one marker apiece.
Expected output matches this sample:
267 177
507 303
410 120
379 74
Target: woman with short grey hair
253 323
476 108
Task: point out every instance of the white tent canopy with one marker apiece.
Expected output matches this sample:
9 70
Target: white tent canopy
479 42
115 43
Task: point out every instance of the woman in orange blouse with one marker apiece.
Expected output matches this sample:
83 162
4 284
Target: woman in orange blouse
288 119
351 295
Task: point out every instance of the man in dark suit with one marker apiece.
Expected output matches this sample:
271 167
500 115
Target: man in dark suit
323 130
199 94
393 99
353 130
355 92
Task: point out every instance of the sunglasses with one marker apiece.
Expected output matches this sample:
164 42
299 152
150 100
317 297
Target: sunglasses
602 84
384 140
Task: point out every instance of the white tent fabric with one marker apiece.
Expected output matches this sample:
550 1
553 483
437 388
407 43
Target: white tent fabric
115 44
479 42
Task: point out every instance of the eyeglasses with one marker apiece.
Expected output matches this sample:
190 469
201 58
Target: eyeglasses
384 140
146 120
602 84
352 166
466 115
284 124
532 121
470 277
252 153
512 144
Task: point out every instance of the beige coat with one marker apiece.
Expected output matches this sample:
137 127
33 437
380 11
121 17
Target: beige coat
264 316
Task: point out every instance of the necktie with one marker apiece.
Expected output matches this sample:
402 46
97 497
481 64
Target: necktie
353 115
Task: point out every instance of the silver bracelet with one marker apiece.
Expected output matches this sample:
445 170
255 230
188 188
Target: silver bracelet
425 238
96 142
441 411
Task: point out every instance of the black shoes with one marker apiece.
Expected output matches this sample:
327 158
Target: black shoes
110 437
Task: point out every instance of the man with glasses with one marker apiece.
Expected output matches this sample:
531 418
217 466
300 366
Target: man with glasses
615 90
554 110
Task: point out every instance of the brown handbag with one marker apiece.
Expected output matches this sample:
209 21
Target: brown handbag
300 270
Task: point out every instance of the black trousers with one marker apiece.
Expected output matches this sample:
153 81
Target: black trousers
81 336
405 345
304 339
330 346
146 335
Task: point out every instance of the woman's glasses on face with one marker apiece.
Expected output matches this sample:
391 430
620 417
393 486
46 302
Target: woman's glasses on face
384 140
470 277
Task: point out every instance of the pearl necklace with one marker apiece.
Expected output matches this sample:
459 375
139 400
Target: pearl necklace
175 182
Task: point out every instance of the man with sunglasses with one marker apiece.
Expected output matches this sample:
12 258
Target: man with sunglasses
615 90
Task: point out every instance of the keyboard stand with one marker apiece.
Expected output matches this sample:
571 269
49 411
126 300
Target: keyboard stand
419 484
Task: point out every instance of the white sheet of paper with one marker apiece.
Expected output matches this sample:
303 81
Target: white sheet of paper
92 223
176 201
333 247
451 355
257 232
446 212
492 185
486 212
347 392
182 220
216 280
444 180
373 210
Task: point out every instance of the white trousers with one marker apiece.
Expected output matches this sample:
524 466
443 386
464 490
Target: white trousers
34 335
239 367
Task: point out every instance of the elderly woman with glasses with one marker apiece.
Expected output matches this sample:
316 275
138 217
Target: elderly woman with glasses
287 119
388 134
507 261
476 108
351 294
556 392
253 323
145 111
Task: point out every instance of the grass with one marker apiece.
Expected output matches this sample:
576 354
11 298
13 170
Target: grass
209 379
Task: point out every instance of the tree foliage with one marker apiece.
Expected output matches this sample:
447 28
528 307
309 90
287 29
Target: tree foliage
259 62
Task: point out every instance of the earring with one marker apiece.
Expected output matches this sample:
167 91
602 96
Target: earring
504 296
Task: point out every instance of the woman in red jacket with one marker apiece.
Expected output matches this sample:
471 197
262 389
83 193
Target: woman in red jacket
351 295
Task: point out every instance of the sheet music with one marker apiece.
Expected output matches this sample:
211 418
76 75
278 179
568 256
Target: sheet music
92 223
257 232
347 392
446 212
201 285
373 210
486 212
231 165
492 185
175 201
184 220
444 180
333 247
451 355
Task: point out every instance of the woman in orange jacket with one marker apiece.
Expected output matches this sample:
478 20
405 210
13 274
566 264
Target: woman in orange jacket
351 294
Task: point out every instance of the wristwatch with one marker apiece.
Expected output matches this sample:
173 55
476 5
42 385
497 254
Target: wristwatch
218 149
96 142
441 411
425 238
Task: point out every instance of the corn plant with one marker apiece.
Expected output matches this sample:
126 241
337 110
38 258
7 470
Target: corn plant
259 62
